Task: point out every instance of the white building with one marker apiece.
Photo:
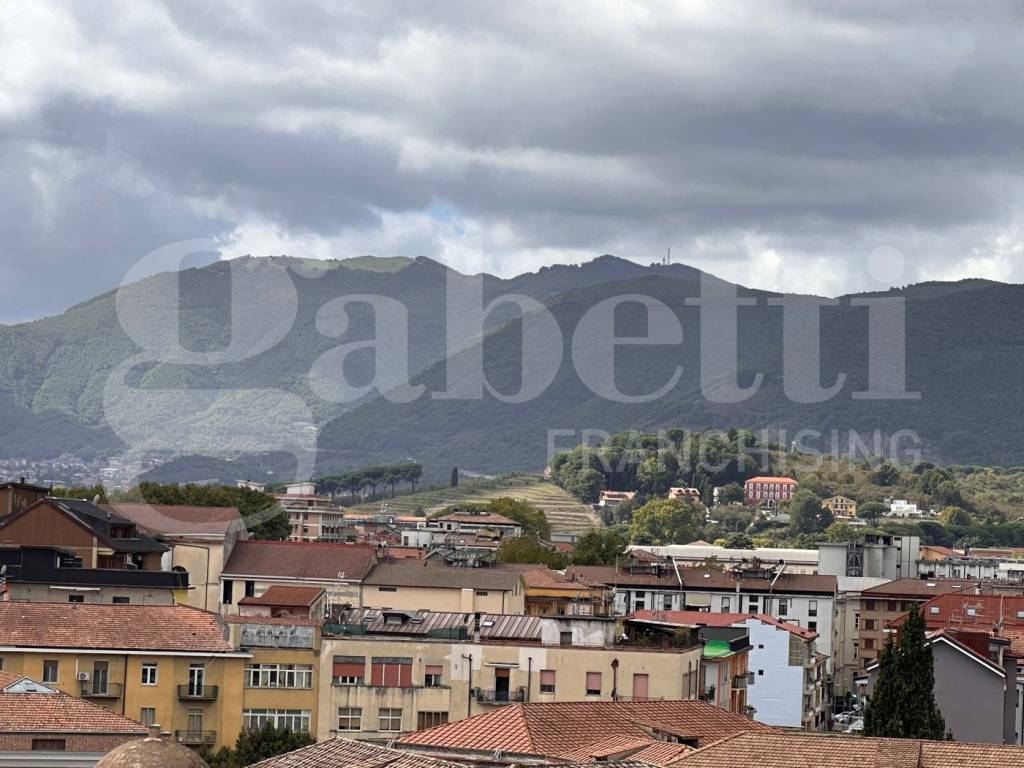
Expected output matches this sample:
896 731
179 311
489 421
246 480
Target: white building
795 560
903 508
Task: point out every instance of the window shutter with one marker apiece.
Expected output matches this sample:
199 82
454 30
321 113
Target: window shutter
547 677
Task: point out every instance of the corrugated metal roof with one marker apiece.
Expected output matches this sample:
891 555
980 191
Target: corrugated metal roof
493 626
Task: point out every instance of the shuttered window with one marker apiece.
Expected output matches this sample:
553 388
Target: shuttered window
547 681
349 670
593 683
391 672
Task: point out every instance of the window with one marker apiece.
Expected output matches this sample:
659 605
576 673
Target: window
593 683
147 715
279 676
760 673
50 671
350 718
482 593
387 589
869 642
48 745
933 609
76 598
391 671
426 720
726 603
432 676
869 625
547 681
869 605
293 719
389 720
812 607
250 589
565 638
349 670
783 606
812 625
149 673
227 592
120 600
752 604
668 602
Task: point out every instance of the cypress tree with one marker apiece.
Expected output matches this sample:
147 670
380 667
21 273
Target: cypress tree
902 704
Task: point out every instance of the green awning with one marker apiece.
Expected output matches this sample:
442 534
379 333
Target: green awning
716 649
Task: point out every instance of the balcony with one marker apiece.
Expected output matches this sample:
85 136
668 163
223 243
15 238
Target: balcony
108 691
195 738
499 698
198 692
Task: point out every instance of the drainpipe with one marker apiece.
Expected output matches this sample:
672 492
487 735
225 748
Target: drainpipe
469 697
615 679
529 676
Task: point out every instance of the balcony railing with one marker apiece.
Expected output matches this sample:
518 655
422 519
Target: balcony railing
108 691
198 692
195 738
500 697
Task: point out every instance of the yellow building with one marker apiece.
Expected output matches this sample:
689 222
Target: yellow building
170 665
200 540
387 673
840 506
432 585
550 593
282 673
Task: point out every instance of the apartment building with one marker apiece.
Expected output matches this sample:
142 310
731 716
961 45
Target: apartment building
15 495
47 574
765 491
878 555
841 507
785 681
435 586
313 516
881 604
99 537
158 664
846 662
393 672
652 583
200 539
255 566
700 552
551 593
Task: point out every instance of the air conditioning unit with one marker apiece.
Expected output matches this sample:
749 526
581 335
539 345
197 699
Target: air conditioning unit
83 676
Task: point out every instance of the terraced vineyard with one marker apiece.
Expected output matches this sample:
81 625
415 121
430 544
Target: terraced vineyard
564 511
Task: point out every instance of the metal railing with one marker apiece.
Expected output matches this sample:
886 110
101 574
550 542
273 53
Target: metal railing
195 737
108 691
198 692
485 696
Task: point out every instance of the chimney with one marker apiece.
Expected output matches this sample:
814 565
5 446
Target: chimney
154 731
1010 699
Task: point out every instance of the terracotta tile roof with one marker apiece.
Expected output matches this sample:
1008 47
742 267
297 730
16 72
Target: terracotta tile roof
541 577
432 573
117 627
971 610
631 748
57 712
346 753
94 519
179 520
771 479
296 597
698 579
805 750
322 561
555 728
287 621
918 587
706 619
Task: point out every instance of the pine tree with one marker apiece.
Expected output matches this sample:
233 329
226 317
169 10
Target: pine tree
902 704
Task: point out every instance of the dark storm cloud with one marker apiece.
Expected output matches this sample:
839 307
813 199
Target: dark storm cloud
792 133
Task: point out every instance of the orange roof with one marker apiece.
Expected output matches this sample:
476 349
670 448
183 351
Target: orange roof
299 597
301 560
786 750
348 753
554 728
117 627
706 619
917 587
768 479
57 712
631 748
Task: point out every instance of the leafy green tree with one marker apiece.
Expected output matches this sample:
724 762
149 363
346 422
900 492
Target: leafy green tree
534 521
885 474
585 484
738 541
806 514
262 515
730 493
86 493
529 549
902 704
664 521
653 477
256 744
600 546
871 511
841 532
955 516
948 494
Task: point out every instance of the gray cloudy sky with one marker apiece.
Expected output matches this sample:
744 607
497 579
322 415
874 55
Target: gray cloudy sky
786 145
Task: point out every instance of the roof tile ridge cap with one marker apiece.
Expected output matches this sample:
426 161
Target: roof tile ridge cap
722 740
